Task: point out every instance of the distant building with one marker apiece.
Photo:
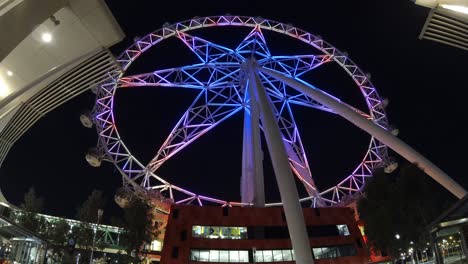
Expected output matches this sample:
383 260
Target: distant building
19 244
258 235
449 233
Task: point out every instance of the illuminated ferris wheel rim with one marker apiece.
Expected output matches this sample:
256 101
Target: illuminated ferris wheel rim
134 171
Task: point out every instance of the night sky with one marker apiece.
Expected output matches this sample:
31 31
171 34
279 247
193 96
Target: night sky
423 80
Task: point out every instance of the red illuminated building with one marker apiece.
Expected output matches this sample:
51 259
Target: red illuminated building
258 235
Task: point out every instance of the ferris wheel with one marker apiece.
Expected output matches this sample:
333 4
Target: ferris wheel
245 79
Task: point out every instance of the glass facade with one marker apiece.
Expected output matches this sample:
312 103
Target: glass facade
334 251
273 255
219 255
219 232
267 255
264 232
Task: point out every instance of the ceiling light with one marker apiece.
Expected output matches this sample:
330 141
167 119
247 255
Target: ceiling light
46 37
457 8
9 73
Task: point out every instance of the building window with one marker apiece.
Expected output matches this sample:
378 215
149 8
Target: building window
175 252
156 245
264 232
175 214
343 230
273 255
328 230
183 235
334 251
267 255
217 255
219 232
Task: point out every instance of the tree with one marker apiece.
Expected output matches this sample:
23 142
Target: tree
87 213
31 206
402 203
58 233
139 227
57 236
32 203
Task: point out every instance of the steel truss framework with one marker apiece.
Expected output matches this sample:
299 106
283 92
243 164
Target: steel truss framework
220 80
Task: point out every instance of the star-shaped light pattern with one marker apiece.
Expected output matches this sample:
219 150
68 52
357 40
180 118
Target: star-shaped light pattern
220 79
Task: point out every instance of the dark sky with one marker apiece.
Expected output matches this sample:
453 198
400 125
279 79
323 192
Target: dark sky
424 81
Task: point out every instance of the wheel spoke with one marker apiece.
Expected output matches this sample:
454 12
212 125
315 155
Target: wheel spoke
296 65
193 77
293 144
298 100
254 44
212 106
218 75
279 90
209 52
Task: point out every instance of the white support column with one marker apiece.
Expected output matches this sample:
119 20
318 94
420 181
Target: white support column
252 183
283 173
370 127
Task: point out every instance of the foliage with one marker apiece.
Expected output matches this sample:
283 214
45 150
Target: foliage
402 203
57 236
31 206
58 232
32 203
87 213
139 226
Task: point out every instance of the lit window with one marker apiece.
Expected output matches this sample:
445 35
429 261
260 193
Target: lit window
223 256
214 255
277 255
156 245
287 255
204 255
219 232
258 256
267 256
194 255
334 251
233 256
243 256
343 230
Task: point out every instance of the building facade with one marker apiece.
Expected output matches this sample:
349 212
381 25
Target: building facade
258 235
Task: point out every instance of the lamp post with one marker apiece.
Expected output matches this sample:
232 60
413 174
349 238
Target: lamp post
100 212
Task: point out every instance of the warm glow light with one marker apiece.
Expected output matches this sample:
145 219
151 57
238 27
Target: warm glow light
46 37
3 88
456 8
9 73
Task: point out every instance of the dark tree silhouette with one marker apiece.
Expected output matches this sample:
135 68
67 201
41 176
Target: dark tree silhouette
402 203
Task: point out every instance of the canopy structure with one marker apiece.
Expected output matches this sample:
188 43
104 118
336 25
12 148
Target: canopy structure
51 52
446 23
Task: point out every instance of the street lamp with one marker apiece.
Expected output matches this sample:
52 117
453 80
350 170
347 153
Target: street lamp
99 213
397 236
